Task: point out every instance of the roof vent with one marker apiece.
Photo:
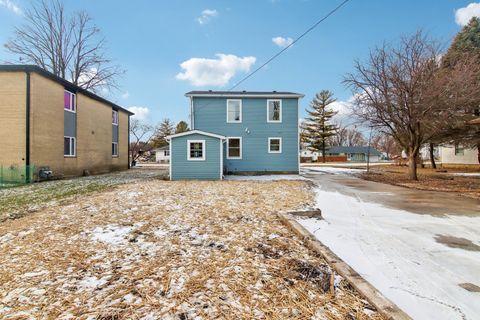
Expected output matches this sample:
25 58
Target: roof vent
244 91
274 91
209 90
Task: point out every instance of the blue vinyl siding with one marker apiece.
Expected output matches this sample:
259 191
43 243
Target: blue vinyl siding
182 168
210 115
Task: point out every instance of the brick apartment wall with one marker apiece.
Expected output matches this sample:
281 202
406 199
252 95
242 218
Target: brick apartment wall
12 118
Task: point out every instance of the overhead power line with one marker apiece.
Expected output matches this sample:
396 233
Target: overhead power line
291 44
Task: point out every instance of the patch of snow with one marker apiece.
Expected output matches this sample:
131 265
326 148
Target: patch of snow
111 234
92 282
273 236
396 251
465 174
34 274
332 170
265 177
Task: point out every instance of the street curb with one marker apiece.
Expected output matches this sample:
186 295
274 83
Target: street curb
383 305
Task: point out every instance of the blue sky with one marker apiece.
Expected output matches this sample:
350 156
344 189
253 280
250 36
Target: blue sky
151 40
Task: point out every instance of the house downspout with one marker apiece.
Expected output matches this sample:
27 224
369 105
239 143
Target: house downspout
192 116
27 129
128 141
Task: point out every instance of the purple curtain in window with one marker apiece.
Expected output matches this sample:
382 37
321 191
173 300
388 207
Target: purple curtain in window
66 100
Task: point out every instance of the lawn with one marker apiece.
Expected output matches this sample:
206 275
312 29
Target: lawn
153 249
458 180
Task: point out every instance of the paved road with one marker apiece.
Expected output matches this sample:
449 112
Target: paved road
421 249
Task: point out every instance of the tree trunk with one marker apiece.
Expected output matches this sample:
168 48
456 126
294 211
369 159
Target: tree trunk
432 156
478 152
323 151
412 165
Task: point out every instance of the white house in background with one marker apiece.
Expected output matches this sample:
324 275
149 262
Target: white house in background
162 154
313 155
451 154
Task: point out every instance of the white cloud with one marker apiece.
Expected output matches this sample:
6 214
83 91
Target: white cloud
282 42
125 95
141 113
214 72
206 15
10 5
463 15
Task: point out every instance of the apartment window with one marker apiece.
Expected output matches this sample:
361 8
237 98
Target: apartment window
274 110
69 146
234 111
274 145
459 150
196 149
114 149
234 148
69 101
115 117
166 153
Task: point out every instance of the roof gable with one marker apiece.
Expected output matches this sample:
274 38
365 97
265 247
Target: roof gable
203 133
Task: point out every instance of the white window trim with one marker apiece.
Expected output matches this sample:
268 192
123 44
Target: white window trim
204 151
277 138
241 148
268 111
234 121
115 111
115 155
74 147
74 102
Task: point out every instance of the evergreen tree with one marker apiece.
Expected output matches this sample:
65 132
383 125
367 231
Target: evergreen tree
182 126
165 129
318 128
465 45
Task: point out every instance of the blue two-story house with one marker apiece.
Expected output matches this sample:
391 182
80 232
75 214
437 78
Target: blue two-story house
237 133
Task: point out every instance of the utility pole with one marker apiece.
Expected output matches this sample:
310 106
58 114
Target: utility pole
368 149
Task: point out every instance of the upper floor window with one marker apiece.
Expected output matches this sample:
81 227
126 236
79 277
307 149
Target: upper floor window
459 151
274 110
196 149
115 117
69 101
234 148
234 111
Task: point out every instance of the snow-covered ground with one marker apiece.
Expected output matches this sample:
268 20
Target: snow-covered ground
416 260
266 177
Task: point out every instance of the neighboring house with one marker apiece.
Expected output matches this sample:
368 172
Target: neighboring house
237 132
457 154
162 155
355 154
46 121
309 154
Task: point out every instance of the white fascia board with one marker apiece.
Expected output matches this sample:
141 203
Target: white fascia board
246 95
203 133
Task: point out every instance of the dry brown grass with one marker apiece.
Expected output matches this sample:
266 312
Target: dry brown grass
169 250
429 179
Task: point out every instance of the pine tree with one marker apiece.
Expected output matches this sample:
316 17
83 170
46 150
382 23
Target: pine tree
318 128
165 129
182 126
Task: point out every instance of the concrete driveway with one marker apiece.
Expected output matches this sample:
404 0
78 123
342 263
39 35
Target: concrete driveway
421 249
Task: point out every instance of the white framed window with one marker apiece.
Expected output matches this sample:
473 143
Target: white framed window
114 149
196 150
69 101
166 153
234 110
274 110
69 146
115 117
274 145
234 148
459 150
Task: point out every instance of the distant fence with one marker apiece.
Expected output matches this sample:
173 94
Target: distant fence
11 176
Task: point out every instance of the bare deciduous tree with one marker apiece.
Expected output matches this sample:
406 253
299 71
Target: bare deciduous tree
142 134
69 46
348 137
404 92
385 143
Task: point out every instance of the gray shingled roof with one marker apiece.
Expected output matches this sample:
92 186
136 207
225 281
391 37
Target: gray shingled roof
362 149
244 93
